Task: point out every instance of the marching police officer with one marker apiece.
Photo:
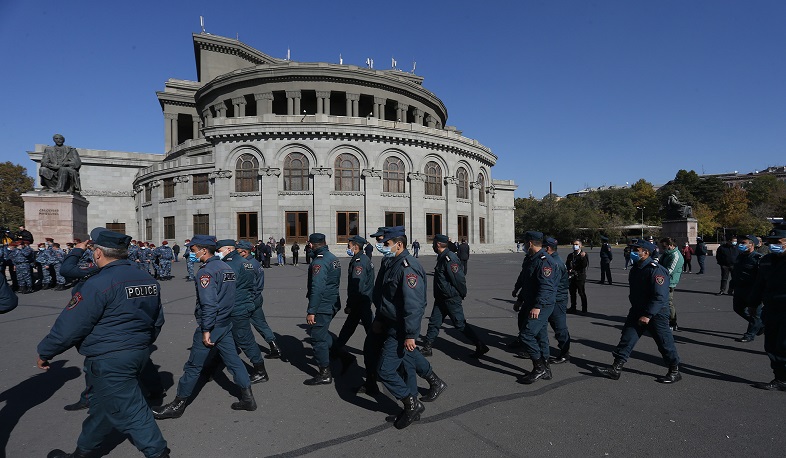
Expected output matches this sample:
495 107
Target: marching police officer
215 300
360 289
577 263
165 255
113 318
605 260
559 318
324 301
450 288
258 319
770 289
535 290
245 285
649 311
743 275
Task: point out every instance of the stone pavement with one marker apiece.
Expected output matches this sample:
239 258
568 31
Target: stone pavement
713 411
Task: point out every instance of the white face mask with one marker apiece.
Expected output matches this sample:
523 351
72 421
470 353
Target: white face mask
220 254
576 247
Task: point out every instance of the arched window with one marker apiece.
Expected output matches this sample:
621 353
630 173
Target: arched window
296 172
246 171
481 188
393 175
462 186
433 179
347 171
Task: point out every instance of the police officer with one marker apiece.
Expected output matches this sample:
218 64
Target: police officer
360 289
245 286
42 261
770 289
215 300
113 318
258 319
605 260
743 275
649 311
535 290
324 301
673 261
22 257
450 288
577 263
58 255
165 256
559 318
8 299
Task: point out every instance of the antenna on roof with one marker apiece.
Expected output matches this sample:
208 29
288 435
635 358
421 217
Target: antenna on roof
414 64
287 52
202 23
393 63
340 59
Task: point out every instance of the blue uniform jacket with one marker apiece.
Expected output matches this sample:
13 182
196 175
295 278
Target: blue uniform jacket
165 253
324 279
376 298
215 294
563 282
42 257
605 253
537 282
8 299
404 294
449 280
743 274
360 280
76 265
770 287
259 279
119 308
649 288
245 283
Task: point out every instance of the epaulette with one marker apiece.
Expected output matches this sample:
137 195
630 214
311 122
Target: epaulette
447 256
654 264
406 263
320 256
543 256
357 259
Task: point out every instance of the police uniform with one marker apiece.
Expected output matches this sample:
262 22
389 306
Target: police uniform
577 273
57 256
324 301
8 299
537 288
165 256
258 319
770 289
215 300
559 318
22 257
245 285
43 261
743 275
450 288
649 298
112 318
360 289
605 260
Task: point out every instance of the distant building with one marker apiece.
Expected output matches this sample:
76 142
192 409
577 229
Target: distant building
740 179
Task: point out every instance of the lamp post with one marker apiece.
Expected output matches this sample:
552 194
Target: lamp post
642 220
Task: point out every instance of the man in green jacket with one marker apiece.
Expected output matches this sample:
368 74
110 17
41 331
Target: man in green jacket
673 261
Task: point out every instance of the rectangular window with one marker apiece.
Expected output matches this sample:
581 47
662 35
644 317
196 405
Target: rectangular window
116 227
393 219
433 225
169 188
169 227
297 227
346 225
482 229
202 224
247 227
148 193
463 228
201 186
148 229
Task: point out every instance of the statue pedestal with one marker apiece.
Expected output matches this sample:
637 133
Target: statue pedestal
681 230
60 216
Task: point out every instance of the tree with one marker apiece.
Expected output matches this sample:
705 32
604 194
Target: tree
734 208
706 219
13 182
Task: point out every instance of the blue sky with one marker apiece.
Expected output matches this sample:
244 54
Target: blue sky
575 92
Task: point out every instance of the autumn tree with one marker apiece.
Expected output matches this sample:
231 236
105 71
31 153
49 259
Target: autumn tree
13 182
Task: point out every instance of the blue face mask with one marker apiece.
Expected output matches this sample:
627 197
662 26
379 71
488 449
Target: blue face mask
743 247
192 257
350 253
386 252
777 249
380 247
635 256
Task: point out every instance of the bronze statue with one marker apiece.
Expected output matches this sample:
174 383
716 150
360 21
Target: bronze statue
676 209
60 168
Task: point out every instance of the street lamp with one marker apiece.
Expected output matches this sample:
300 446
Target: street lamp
642 220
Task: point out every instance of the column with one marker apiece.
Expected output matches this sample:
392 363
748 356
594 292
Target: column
430 121
194 127
222 187
323 214
323 102
417 214
221 109
297 103
490 214
271 217
379 107
401 112
239 104
291 96
207 115
451 216
372 216
476 214
352 104
264 103
170 130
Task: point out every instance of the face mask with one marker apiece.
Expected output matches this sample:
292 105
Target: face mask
576 248
743 247
777 249
220 255
733 243
192 257
635 256
350 253
380 247
41 249
386 252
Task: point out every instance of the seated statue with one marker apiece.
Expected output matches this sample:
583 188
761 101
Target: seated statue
60 166
677 210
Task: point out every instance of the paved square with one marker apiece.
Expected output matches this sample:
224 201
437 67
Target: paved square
713 411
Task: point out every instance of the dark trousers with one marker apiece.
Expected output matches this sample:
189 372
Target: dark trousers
117 403
577 286
225 346
755 325
149 379
700 259
259 322
464 263
774 317
605 271
687 267
658 327
393 356
358 313
559 323
294 258
672 309
321 339
244 337
725 279
534 333
455 311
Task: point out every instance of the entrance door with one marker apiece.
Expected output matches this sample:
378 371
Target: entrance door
297 227
247 227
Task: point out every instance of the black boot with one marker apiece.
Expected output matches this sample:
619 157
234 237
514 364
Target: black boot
538 372
774 385
412 410
324 377
79 405
174 409
613 372
547 367
435 387
60 287
246 402
563 358
480 349
425 350
369 387
260 374
275 352
164 454
673 376
78 453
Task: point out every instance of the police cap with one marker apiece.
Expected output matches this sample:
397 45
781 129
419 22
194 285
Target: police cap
393 232
202 240
779 232
550 242
441 238
358 239
752 238
533 235
316 237
603 238
244 245
649 246
380 232
225 242
102 236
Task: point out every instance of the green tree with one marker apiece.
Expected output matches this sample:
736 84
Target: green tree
733 208
706 219
13 182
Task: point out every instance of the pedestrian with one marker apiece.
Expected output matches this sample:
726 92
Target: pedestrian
258 319
770 289
687 255
309 251
559 318
324 301
295 252
649 311
267 253
744 272
535 292
577 263
215 300
369 250
190 258
672 260
450 288
701 253
176 251
725 257
416 247
115 316
280 250
23 235
626 255
605 260
463 255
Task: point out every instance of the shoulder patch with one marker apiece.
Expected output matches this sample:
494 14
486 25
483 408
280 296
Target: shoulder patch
660 279
229 276
358 270
248 266
454 267
75 300
412 280
547 271
336 264
133 292
315 268
204 280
